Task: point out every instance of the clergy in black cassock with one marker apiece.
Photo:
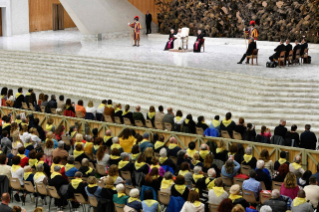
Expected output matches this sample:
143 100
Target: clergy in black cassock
170 42
199 41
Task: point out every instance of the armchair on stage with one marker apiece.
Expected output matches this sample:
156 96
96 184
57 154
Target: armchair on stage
185 35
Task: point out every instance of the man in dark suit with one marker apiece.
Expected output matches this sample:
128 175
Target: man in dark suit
19 98
251 47
279 49
297 46
281 130
308 139
52 102
304 45
148 19
288 47
261 176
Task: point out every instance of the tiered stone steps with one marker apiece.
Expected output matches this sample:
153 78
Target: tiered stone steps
259 100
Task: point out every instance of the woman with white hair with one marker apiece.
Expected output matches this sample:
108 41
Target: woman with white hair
134 202
249 159
39 176
165 161
265 208
120 197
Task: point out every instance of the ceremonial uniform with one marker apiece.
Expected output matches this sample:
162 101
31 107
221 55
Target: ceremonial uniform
137 28
252 32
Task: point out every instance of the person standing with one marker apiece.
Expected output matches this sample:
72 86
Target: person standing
252 32
137 28
308 139
148 19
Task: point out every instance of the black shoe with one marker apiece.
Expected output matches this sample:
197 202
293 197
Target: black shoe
16 197
247 63
22 198
179 48
239 63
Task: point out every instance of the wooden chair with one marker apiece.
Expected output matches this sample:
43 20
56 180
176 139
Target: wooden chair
304 56
253 56
239 181
237 135
128 189
53 110
264 196
290 57
117 120
174 159
42 109
158 125
263 187
226 180
108 119
30 188
126 175
276 185
77 165
101 170
24 106
203 45
15 186
79 114
139 123
119 207
80 199
148 123
212 207
127 121
31 107
199 131
244 169
249 196
297 56
224 134
168 126
281 58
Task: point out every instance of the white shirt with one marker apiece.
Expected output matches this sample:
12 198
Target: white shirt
312 194
190 207
23 136
35 138
91 110
18 174
100 110
39 180
5 170
213 199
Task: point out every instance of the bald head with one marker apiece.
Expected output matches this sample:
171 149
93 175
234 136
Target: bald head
108 132
138 108
170 110
173 140
203 147
5 198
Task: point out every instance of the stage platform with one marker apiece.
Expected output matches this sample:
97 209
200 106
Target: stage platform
221 54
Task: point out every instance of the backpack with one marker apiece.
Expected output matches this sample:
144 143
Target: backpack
270 64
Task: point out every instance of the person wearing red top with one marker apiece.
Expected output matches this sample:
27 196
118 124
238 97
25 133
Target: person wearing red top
289 187
265 131
24 159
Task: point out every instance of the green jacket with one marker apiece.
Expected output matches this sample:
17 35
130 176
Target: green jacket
121 200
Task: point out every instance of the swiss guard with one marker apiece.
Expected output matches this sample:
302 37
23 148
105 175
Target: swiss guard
252 32
137 28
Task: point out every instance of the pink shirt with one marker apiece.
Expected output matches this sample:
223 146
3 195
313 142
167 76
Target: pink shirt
268 134
290 192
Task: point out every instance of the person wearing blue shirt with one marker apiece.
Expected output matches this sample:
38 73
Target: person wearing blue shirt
230 168
70 169
251 184
316 174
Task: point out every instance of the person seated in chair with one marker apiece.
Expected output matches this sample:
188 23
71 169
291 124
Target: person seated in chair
86 169
297 46
178 40
77 185
170 42
251 47
70 169
172 147
279 49
59 182
304 45
288 48
199 41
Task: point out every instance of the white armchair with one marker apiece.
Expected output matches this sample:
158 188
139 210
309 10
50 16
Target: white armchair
185 34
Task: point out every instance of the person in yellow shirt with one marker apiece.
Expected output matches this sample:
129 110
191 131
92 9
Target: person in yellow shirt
127 140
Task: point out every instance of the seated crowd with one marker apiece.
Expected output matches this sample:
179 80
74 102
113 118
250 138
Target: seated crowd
178 122
194 179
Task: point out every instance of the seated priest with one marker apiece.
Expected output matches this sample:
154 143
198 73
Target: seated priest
278 50
251 47
199 41
170 42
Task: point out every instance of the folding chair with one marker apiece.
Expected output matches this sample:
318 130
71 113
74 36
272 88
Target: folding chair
93 202
158 125
297 56
25 106
237 135
244 169
304 56
148 123
139 123
80 199
117 120
126 175
53 110
119 207
239 181
108 119
224 134
226 180
253 56
29 188
199 131
15 186
127 121
53 193
168 126
276 185
249 196
31 107
264 196
164 198
128 189
101 170
79 114
42 190
212 207
290 57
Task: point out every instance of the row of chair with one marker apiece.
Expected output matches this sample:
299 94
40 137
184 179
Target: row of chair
282 57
